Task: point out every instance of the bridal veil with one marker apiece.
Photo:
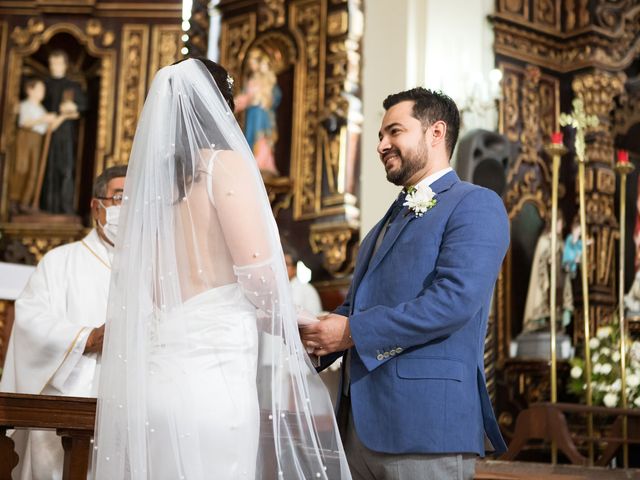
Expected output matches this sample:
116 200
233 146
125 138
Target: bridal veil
198 275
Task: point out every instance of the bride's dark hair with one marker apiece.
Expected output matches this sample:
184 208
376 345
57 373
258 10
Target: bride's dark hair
183 160
220 76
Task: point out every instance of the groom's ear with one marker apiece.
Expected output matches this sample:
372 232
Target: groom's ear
437 133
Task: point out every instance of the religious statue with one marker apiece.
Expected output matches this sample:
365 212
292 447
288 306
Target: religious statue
260 98
571 256
34 123
65 98
537 306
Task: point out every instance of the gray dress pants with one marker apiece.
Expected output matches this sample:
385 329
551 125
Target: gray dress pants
366 464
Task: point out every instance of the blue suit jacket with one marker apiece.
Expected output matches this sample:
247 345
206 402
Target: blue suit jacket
418 314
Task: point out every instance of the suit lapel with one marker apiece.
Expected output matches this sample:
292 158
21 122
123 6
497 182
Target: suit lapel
405 216
366 249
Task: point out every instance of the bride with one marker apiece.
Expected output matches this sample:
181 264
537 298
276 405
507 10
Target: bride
198 274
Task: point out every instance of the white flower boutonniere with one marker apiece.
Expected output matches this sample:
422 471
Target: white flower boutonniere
420 199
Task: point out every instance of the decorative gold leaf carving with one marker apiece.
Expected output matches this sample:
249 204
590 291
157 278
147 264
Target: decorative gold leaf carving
236 36
333 240
338 23
132 86
94 27
545 12
514 6
306 18
272 15
23 36
165 47
628 113
545 46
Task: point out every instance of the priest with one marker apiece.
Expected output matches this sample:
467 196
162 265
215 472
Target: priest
58 330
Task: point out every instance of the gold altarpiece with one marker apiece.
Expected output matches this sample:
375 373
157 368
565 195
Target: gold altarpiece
314 47
114 48
551 51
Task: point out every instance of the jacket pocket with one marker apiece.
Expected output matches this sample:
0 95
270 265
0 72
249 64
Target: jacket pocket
434 368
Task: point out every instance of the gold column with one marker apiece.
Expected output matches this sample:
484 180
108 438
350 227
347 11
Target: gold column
623 167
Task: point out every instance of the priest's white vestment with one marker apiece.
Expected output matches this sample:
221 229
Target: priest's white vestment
65 298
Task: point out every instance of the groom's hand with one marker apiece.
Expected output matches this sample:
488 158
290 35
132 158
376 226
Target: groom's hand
331 334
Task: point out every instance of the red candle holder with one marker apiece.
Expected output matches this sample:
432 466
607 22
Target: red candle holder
623 156
556 138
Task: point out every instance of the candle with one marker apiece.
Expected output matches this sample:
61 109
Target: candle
623 156
556 138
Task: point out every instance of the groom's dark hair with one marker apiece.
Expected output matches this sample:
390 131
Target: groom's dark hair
429 107
220 76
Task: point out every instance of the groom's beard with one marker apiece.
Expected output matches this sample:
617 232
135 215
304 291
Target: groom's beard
410 163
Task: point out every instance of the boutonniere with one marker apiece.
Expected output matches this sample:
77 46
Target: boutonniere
420 199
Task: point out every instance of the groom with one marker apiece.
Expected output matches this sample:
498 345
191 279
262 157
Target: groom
414 321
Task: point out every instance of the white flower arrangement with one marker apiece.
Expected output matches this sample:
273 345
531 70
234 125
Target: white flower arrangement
420 199
606 384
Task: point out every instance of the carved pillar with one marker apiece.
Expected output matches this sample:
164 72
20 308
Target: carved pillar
598 89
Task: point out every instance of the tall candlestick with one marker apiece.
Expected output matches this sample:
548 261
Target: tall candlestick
579 120
623 167
555 150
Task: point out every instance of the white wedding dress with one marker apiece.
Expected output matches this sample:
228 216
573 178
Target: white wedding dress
198 273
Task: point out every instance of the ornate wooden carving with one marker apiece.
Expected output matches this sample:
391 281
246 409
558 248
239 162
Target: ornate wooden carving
530 107
124 58
551 51
598 90
538 38
526 116
306 19
271 14
131 87
237 34
522 383
336 242
165 47
318 42
25 42
627 114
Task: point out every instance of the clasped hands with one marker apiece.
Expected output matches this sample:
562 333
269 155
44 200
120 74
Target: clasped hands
328 335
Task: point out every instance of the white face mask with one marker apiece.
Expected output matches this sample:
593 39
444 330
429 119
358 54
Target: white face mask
110 229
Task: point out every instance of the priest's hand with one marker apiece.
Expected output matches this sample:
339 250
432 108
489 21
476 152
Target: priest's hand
94 342
331 334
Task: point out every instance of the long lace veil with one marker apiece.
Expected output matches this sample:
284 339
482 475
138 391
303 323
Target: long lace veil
198 276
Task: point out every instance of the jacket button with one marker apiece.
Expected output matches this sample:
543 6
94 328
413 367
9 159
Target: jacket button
380 357
386 354
392 352
398 350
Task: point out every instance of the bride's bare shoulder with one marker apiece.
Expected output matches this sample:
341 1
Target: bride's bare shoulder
230 160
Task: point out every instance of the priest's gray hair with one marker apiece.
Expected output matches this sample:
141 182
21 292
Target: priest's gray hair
101 182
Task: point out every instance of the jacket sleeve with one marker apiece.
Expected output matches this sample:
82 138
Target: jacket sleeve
473 246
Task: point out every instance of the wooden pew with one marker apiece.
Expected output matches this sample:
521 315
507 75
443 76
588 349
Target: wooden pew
72 418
